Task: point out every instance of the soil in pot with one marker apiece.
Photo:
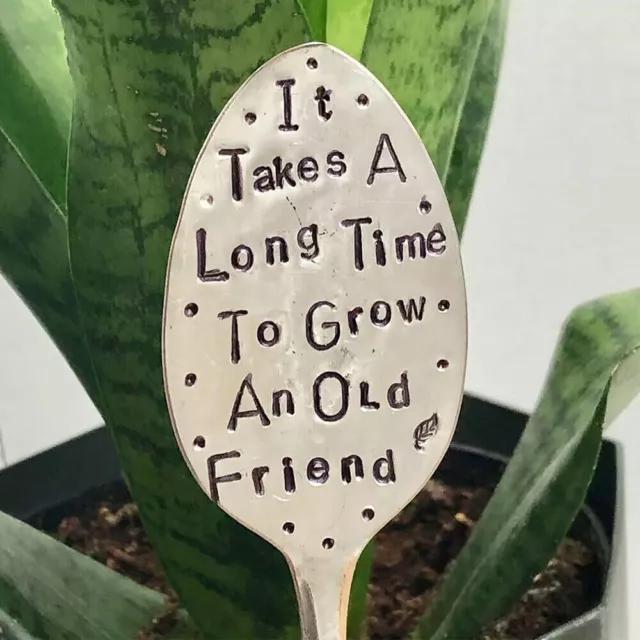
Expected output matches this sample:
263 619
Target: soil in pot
412 554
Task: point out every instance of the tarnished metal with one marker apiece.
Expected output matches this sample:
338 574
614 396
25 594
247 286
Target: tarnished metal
315 328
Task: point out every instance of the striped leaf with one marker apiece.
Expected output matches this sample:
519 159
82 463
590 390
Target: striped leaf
460 174
35 114
35 90
34 256
425 53
150 79
595 374
50 592
315 13
447 85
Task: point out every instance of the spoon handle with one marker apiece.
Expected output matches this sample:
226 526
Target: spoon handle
323 588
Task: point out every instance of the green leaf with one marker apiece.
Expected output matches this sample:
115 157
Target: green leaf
11 629
315 12
425 53
460 175
595 373
347 23
34 256
50 592
35 90
35 112
150 78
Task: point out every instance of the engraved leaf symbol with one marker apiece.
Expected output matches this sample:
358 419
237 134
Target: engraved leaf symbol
424 431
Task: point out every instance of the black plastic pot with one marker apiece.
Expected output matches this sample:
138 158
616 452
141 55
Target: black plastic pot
55 476
485 439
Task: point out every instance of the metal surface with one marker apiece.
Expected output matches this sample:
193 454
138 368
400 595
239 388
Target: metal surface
587 627
315 330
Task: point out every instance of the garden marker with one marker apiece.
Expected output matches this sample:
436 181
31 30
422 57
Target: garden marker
315 329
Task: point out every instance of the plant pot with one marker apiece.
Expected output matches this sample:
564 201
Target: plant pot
484 441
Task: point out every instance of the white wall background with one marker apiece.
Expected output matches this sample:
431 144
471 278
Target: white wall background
41 401
555 219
